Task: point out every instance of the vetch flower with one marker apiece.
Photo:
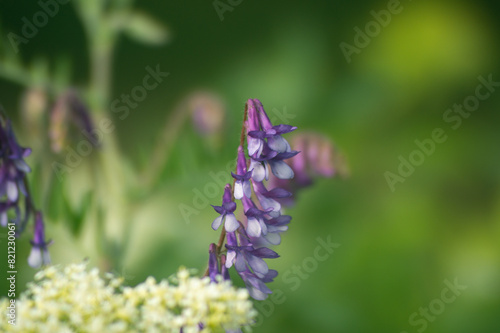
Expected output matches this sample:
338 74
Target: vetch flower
256 286
213 264
226 212
242 185
268 199
255 222
261 222
244 257
14 186
13 170
39 253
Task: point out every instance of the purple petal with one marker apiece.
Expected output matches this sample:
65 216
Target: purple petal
264 252
35 258
278 143
12 192
258 171
247 189
227 197
280 220
238 190
273 205
231 256
282 129
270 276
273 238
240 263
229 207
255 146
217 222
286 155
213 265
253 227
258 265
281 170
218 209
231 224
278 193
3 219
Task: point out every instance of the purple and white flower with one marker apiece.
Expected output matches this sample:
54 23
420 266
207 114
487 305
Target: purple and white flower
242 185
226 212
39 253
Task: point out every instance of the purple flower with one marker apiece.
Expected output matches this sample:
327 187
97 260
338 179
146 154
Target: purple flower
70 109
39 253
208 112
257 285
256 225
275 227
257 119
267 198
13 170
13 185
242 184
213 264
273 133
244 257
226 212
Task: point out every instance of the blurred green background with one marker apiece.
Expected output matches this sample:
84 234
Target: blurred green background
397 248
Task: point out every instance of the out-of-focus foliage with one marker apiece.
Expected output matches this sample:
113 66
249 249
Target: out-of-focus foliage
397 248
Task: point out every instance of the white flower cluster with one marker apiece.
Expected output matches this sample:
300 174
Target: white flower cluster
73 299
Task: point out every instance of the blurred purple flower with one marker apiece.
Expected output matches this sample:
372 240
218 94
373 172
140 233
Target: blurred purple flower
13 185
13 170
208 112
39 253
69 109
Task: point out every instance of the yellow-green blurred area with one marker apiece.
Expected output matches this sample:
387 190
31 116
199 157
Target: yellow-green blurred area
396 247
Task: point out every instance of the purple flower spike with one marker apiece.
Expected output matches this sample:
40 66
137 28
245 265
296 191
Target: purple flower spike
262 222
39 253
226 212
242 185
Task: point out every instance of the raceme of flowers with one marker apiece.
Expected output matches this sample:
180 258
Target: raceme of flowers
13 187
262 221
75 299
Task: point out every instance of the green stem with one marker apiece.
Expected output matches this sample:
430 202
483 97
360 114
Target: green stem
164 145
